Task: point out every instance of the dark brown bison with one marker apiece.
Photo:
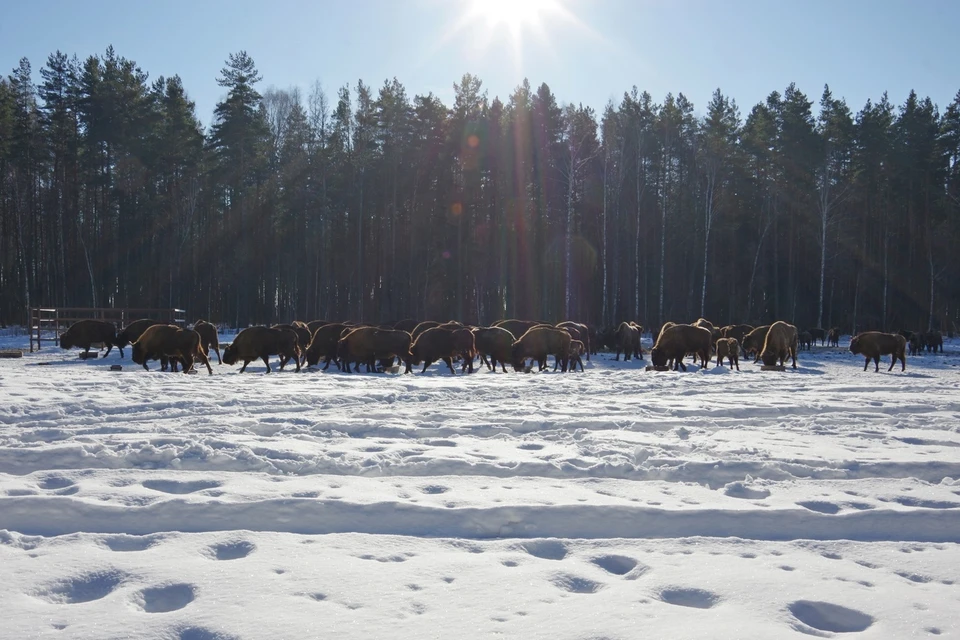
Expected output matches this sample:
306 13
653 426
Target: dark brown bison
517 327
753 342
628 341
423 326
539 342
369 344
208 337
408 325
916 343
818 335
170 341
313 325
324 344
728 348
85 333
676 341
736 331
576 351
715 333
585 334
873 344
255 343
303 335
436 344
131 333
495 343
833 337
780 344
804 339
933 341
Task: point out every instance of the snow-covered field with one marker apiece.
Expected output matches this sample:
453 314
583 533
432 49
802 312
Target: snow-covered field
616 503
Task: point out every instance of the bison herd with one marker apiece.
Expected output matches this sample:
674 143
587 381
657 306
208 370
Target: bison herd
350 346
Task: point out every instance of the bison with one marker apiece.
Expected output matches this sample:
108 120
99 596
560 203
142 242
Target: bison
303 335
780 343
496 343
517 327
804 339
676 341
628 341
753 342
408 325
539 342
728 348
132 332
170 341
933 340
435 344
208 337
260 343
324 344
584 332
873 344
369 344
576 350
833 337
85 333
818 335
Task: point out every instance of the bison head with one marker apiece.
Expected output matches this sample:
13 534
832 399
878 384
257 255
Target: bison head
139 353
658 357
66 341
854 344
769 358
230 355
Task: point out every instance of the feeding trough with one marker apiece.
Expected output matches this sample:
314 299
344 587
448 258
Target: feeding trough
772 367
88 355
11 353
116 367
657 367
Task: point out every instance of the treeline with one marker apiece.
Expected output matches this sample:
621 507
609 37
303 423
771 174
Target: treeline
375 206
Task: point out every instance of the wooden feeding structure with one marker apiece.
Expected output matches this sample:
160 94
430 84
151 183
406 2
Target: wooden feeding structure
47 324
11 353
772 367
655 367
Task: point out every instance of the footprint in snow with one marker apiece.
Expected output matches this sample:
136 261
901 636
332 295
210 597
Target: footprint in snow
687 597
123 542
52 483
621 566
575 584
740 490
231 550
178 487
166 598
546 549
820 507
199 633
826 616
83 588
434 489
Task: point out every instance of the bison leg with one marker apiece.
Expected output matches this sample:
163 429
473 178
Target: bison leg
618 355
217 350
865 364
202 357
680 362
893 361
449 362
244 367
426 364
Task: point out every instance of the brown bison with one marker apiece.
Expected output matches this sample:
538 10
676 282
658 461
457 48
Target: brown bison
804 339
737 332
170 341
303 335
676 341
818 335
728 348
576 350
437 344
84 333
715 333
752 343
208 337
313 325
255 343
873 344
628 341
369 344
324 344
495 342
780 344
408 325
132 332
423 326
539 342
584 331
933 341
833 337
517 327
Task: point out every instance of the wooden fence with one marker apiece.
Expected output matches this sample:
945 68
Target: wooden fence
46 324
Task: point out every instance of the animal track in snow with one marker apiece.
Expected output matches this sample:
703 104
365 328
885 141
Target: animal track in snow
199 633
530 446
546 549
393 558
686 597
620 565
909 501
914 577
231 550
83 588
179 487
434 489
820 506
123 542
826 616
51 483
740 490
575 584
166 598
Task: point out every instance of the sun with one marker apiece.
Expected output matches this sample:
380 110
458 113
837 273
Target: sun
513 14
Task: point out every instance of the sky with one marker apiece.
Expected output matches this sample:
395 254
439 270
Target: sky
587 51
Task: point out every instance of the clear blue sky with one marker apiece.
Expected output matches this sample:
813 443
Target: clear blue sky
746 48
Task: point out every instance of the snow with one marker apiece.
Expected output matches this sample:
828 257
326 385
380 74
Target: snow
615 503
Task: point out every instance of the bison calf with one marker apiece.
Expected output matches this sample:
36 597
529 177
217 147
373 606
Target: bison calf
873 344
728 348
208 337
